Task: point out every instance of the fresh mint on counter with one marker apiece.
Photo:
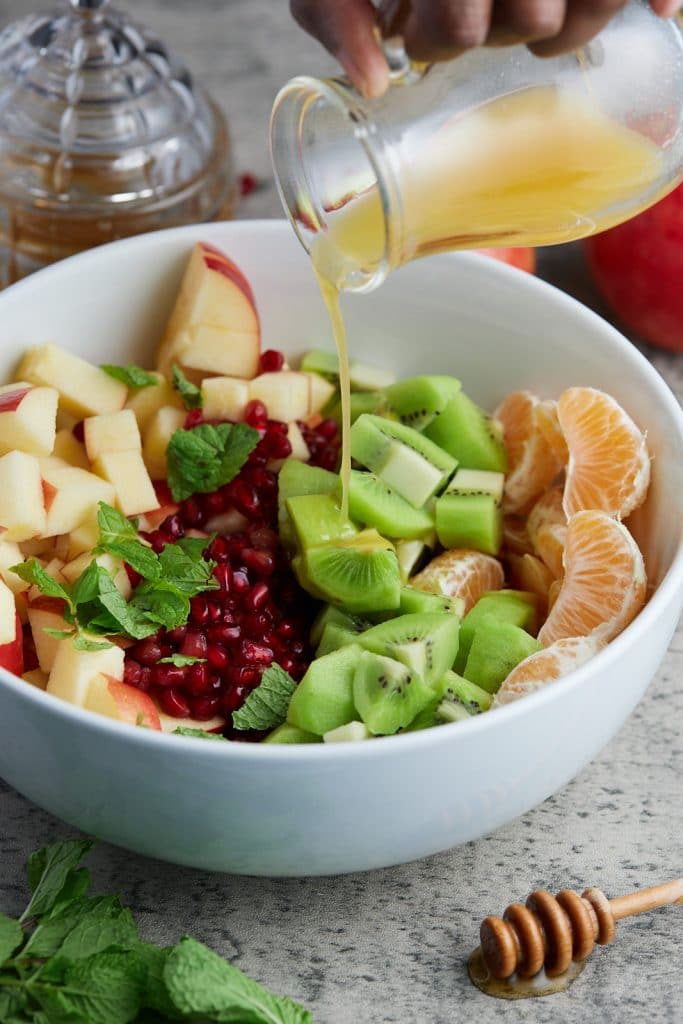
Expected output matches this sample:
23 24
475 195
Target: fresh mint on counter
266 706
72 958
189 392
205 458
132 376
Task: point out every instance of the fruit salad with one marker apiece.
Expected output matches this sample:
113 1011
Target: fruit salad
174 555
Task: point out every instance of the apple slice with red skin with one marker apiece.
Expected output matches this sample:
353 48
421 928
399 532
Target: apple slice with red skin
12 654
28 418
114 699
11 400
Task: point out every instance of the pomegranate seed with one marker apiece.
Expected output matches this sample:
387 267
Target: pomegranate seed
289 665
261 562
191 512
328 459
176 636
218 549
234 698
240 581
147 651
257 596
168 675
286 629
297 648
277 446
215 611
224 634
258 653
214 504
173 526
145 680
245 498
133 576
158 541
256 414
174 703
163 492
328 428
265 538
193 419
198 681
271 361
199 610
204 708
223 574
217 657
194 644
132 672
243 676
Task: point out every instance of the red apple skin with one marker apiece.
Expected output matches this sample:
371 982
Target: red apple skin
218 261
12 654
522 258
48 604
49 493
11 400
638 269
134 706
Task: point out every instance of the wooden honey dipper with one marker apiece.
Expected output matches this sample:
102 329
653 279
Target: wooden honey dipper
552 931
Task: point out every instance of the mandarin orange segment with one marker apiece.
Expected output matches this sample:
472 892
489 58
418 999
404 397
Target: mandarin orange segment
460 573
532 465
554 592
604 585
529 573
549 546
515 536
549 425
609 465
547 528
545 667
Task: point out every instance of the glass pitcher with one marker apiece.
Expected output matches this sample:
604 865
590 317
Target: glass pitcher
495 148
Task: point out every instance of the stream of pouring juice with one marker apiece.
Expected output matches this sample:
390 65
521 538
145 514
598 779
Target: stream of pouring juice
536 167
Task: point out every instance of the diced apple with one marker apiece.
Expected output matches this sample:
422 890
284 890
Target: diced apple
127 473
160 430
107 696
72 669
8 615
146 401
321 392
84 537
286 394
28 418
22 508
84 389
214 325
54 569
46 613
12 653
296 439
38 547
10 554
170 724
114 566
225 398
151 520
36 677
66 420
69 450
72 496
112 432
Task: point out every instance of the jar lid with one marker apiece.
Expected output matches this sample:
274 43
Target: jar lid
98 118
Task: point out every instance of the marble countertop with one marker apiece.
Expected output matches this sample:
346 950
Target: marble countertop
391 946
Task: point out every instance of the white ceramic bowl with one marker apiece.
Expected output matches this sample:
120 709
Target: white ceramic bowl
320 809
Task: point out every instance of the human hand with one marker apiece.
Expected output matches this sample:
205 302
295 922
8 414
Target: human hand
436 30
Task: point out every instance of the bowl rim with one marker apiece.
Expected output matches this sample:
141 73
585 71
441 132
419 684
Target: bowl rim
667 592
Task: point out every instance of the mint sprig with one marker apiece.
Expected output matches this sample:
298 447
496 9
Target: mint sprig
73 958
266 706
131 375
189 392
205 458
119 537
180 660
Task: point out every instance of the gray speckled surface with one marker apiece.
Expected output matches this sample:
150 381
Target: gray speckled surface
391 946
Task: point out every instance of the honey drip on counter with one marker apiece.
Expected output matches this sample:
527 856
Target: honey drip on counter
519 988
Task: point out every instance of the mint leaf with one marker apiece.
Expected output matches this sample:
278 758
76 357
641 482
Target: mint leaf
200 983
84 643
183 564
198 734
160 603
155 996
189 392
83 927
105 988
101 608
119 537
32 571
266 706
203 459
11 937
180 660
131 375
50 870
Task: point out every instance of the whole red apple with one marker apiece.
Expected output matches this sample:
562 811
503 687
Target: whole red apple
523 258
638 269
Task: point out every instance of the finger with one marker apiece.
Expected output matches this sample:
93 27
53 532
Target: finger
666 8
584 19
440 29
347 29
516 21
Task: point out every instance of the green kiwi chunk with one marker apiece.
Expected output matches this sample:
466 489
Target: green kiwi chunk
387 694
517 607
469 513
294 480
466 432
372 502
352 732
360 574
360 402
414 601
316 519
323 700
412 556
417 400
455 699
287 733
334 636
404 459
427 643
362 376
331 614
495 650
